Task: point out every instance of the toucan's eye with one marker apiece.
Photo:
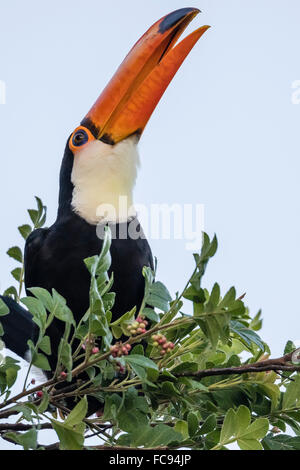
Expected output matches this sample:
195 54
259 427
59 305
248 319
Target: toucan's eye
79 138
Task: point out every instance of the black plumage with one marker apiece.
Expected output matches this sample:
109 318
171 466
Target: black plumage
54 259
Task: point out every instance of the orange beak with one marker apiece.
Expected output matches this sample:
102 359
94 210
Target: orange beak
129 99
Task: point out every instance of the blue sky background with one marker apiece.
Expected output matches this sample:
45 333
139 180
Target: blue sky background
226 133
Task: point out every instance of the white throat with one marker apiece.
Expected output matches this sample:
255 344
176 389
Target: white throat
104 177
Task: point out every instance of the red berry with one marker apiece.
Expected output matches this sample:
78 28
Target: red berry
95 350
39 394
33 381
63 375
128 347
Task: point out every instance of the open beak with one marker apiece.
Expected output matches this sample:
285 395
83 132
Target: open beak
129 99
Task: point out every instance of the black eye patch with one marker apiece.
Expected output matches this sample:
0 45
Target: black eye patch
79 138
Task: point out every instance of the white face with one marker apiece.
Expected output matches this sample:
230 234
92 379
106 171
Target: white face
101 175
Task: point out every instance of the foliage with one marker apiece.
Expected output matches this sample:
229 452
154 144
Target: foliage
150 398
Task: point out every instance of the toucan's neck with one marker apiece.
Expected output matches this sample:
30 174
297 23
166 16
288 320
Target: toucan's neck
97 183
66 186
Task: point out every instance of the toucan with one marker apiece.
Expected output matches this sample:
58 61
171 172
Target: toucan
99 170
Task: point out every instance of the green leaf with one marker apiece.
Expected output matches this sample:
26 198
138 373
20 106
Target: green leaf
25 231
17 274
272 391
130 420
185 367
16 253
289 347
291 397
141 361
215 295
70 439
229 426
45 345
78 413
158 436
39 360
281 442
209 424
249 444
44 403
37 309
65 355
44 296
4 310
159 296
257 430
11 292
228 298
182 428
60 308
193 423
27 440
34 215
243 419
126 318
144 367
151 314
248 336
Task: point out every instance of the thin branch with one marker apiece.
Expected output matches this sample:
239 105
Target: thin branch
277 364
23 427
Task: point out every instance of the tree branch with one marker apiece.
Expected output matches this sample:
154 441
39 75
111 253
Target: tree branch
278 364
23 427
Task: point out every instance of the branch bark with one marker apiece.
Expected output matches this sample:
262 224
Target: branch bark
278 364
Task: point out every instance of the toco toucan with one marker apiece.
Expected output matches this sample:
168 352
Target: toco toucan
99 170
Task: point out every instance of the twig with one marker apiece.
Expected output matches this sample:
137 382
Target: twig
23 427
281 363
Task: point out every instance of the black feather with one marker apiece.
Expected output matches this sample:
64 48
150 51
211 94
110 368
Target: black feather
18 327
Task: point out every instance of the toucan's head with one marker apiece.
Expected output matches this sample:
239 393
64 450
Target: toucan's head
101 159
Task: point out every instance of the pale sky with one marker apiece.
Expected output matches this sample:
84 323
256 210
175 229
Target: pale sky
226 133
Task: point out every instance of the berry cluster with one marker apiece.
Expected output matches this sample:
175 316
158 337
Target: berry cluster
161 342
118 349
138 326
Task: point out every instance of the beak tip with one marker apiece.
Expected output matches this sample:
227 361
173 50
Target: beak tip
173 18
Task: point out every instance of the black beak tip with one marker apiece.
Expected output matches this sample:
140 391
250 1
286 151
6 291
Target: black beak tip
173 18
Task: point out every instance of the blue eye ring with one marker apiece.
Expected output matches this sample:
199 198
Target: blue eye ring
80 138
